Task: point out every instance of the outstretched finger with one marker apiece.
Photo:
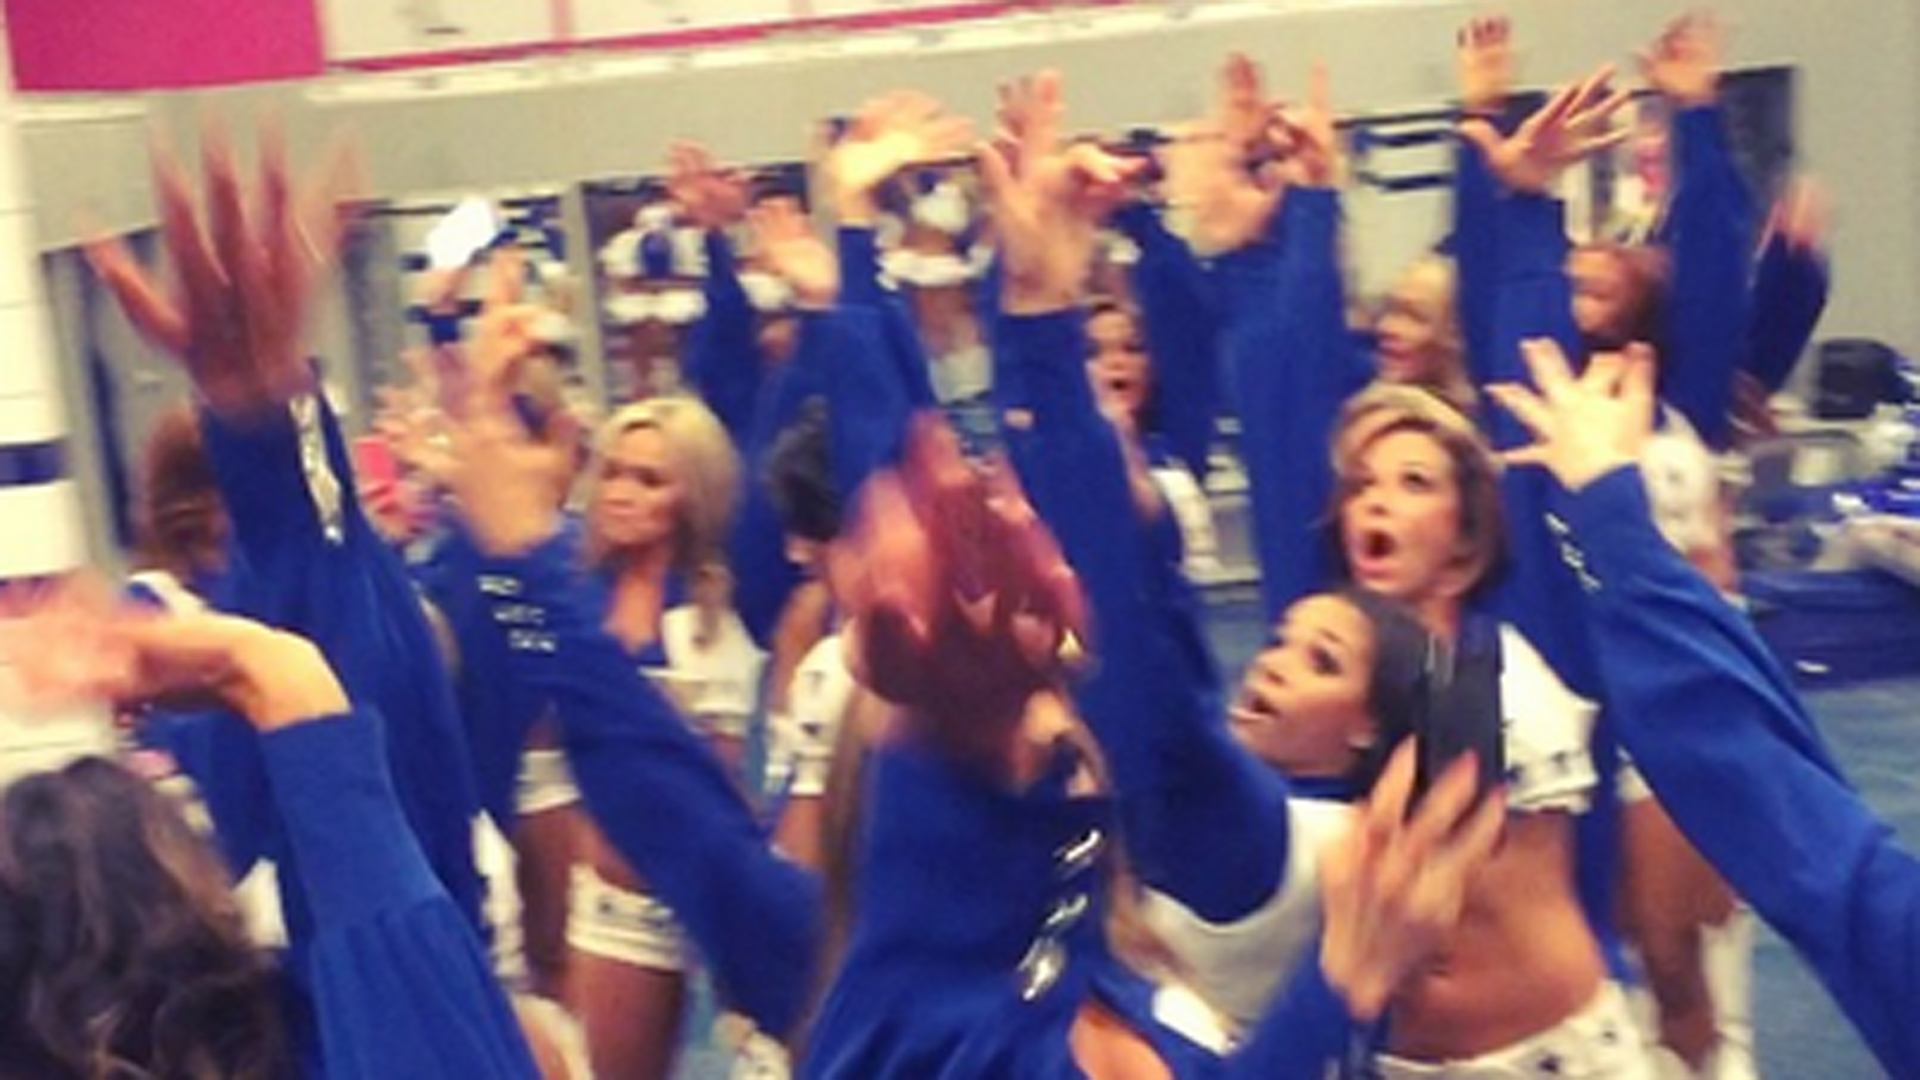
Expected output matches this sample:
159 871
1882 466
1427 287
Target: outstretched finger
187 246
1548 366
1526 407
146 305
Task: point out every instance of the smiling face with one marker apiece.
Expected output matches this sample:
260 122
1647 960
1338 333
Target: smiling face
637 503
1400 519
1303 706
1117 364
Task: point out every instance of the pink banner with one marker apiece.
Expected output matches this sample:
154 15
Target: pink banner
160 44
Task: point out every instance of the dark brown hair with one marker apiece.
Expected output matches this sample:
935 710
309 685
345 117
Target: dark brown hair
122 952
181 523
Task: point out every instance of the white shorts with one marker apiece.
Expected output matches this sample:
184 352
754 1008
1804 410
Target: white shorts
545 782
1600 1042
616 924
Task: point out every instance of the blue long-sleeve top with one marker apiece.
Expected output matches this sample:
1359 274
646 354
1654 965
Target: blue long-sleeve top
331 579
656 789
398 979
1180 321
1474 247
861 287
722 351
1714 726
1534 300
1790 287
1206 824
1294 365
1709 231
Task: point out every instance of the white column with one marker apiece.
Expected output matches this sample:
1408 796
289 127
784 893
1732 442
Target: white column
40 519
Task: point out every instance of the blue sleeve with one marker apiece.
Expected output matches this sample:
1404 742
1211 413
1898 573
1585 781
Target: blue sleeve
326 575
660 795
1293 367
1535 300
757 546
1789 296
861 288
399 980
868 406
1714 726
1474 247
1710 233
1206 824
1305 1034
498 713
1177 312
722 355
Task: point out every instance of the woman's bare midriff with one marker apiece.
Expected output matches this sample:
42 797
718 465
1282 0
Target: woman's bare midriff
1523 960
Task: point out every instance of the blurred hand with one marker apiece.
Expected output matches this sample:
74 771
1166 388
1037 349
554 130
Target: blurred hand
711 197
1585 427
889 134
1485 56
1683 63
1575 124
1394 891
129 656
1048 200
244 280
792 252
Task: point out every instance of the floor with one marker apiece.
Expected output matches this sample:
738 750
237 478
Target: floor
1874 730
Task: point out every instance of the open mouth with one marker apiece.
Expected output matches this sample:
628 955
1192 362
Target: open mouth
1252 711
1376 544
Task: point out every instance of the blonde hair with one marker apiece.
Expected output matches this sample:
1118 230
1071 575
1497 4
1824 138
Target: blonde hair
1448 377
1385 409
703 463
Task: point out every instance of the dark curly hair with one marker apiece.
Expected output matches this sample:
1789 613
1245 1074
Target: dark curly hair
122 952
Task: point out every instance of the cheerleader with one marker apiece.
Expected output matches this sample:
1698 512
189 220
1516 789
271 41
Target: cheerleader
1712 721
303 553
123 948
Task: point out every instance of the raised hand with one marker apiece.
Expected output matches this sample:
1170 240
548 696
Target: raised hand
890 134
1485 58
1801 218
787 242
1393 892
129 656
961 606
713 198
1315 158
508 478
1048 200
1241 111
1207 174
244 278
1683 63
1585 427
1576 123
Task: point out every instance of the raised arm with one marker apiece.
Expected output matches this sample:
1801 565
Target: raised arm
1713 723
656 789
722 356
1709 230
1180 317
1790 286
394 972
1206 824
1485 58
1534 300
313 562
